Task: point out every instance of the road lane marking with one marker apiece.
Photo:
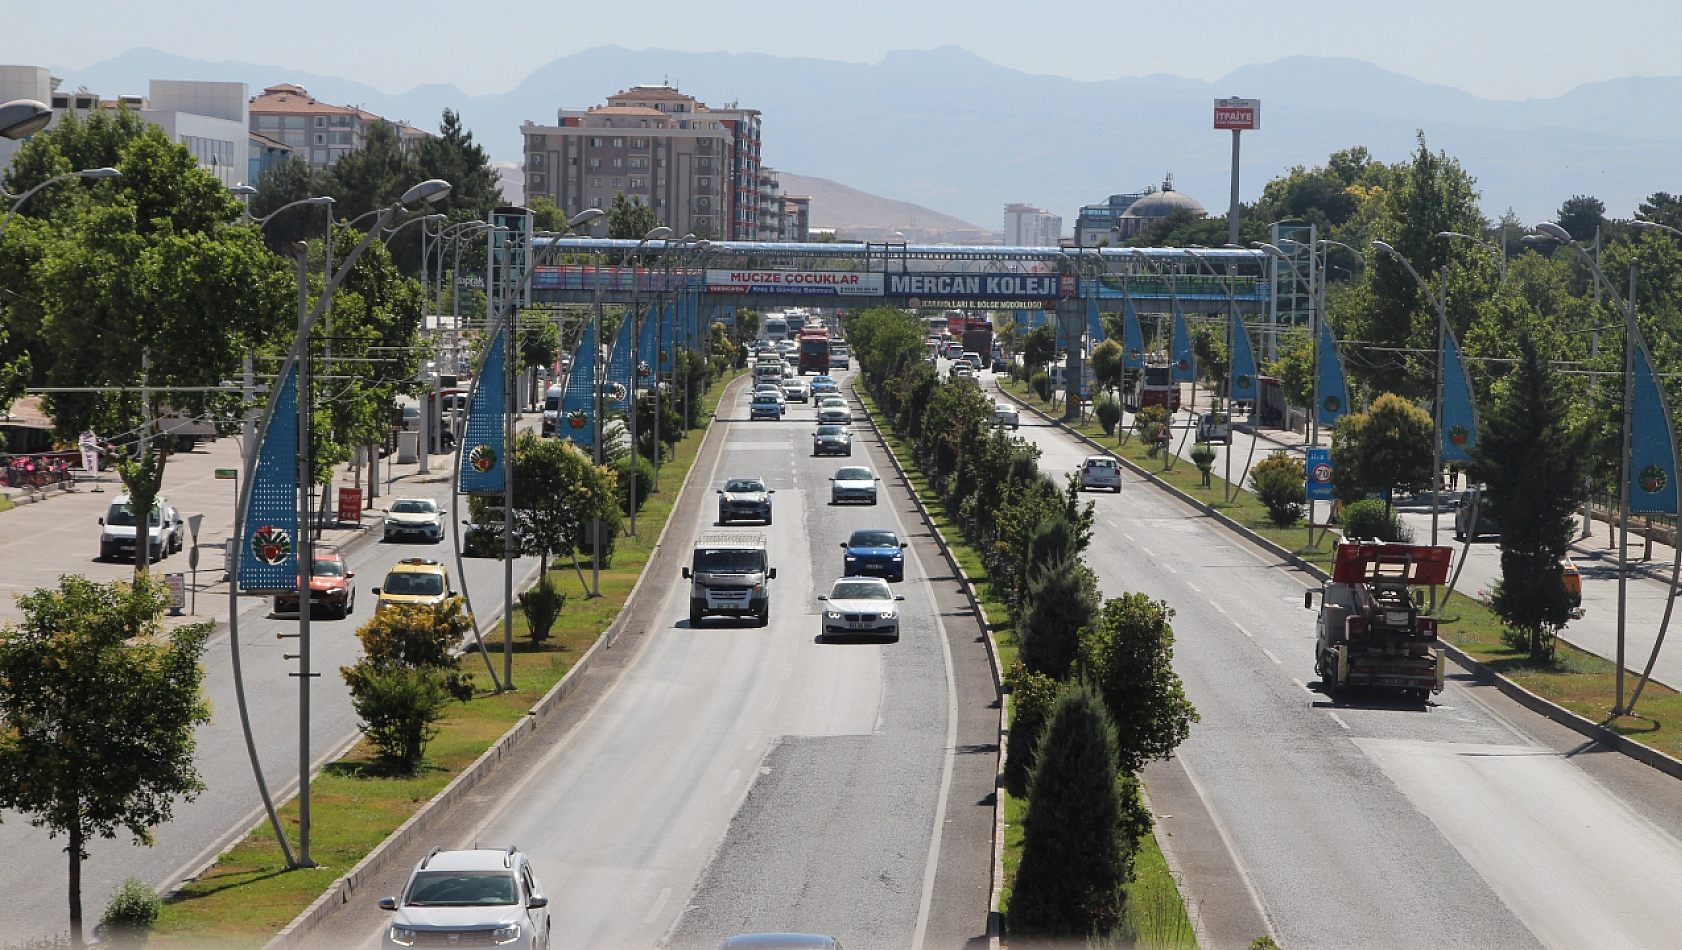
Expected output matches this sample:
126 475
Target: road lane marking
659 902
1338 719
1304 687
1148 552
730 782
1217 606
1124 534
1242 630
1271 656
1196 588
1169 568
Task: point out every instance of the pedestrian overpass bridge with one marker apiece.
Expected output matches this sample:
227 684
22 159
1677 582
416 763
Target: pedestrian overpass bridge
770 275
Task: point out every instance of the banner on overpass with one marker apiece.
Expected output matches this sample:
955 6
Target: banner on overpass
818 283
983 286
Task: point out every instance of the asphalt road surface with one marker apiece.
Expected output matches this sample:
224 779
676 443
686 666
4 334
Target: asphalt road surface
729 778
34 874
1367 822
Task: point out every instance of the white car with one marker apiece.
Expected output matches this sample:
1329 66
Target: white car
477 898
794 390
414 518
832 410
769 389
860 606
962 370
1100 471
853 483
1005 414
119 531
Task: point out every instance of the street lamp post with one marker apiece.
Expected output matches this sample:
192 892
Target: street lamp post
1439 302
21 117
18 200
1627 305
1499 252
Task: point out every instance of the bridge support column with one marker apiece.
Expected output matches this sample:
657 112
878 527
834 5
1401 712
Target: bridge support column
1071 319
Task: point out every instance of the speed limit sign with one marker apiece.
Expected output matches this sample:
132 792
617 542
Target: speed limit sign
1319 472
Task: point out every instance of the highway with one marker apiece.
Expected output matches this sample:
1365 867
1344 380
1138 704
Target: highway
1365 822
728 778
34 874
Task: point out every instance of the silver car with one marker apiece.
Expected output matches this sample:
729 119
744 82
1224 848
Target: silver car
832 410
1100 471
861 606
478 898
853 483
1004 414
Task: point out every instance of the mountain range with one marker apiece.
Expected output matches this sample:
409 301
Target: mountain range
948 130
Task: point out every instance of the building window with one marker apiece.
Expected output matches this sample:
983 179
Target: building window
595 183
618 182
595 163
659 202
640 143
537 160
619 163
264 121
535 141
573 161
618 143
595 143
660 163
595 202
639 163
321 138
321 122
339 138
638 184
572 179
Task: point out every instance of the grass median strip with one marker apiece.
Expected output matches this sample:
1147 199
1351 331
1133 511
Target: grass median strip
1155 910
355 803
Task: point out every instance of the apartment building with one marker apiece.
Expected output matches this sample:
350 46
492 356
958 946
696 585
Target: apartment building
207 117
797 218
1028 226
698 167
318 132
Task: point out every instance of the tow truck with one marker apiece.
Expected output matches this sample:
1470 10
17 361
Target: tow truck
1370 631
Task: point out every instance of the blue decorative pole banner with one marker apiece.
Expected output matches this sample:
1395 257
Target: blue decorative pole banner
1243 362
1184 369
1460 417
269 550
483 446
1094 324
578 402
1652 442
668 336
618 390
1334 392
1021 320
648 348
1133 339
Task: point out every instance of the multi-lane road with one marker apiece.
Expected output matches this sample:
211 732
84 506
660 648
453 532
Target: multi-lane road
61 536
728 778
1361 822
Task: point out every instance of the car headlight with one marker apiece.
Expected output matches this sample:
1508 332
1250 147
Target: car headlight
832 615
852 557
507 934
402 935
107 537
889 616
390 523
899 556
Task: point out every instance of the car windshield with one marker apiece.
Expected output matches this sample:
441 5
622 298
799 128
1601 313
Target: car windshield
765 397
832 430
833 402
1100 463
744 485
729 561
327 568
461 889
122 516
860 590
854 475
414 507
873 539
413 584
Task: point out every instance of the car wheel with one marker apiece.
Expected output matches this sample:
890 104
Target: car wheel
694 617
764 616
767 517
848 453
899 578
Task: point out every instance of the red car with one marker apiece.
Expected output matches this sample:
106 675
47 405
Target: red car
330 589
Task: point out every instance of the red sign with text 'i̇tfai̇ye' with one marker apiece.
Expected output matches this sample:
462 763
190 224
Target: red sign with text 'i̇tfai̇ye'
1244 114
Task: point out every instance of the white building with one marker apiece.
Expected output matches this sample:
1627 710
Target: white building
1028 226
210 118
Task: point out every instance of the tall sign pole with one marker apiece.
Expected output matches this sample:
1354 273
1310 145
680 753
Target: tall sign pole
1239 115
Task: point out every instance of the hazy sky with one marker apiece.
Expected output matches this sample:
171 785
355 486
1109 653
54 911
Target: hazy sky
1494 48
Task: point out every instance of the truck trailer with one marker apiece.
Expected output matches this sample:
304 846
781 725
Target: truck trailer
814 350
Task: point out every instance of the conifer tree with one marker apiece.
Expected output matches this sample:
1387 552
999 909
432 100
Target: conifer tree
1059 604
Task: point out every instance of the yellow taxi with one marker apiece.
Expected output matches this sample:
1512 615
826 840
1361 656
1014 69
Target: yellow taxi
414 582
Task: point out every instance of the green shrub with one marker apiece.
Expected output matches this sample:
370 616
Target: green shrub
1031 697
130 915
1370 519
1150 422
1278 482
1128 657
542 604
399 706
1078 840
1108 410
1058 605
1040 383
1203 456
645 482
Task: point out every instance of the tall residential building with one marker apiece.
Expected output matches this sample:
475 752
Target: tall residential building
797 218
1028 226
207 117
319 132
698 167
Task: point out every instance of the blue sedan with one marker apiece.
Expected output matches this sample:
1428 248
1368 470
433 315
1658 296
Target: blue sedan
824 384
874 552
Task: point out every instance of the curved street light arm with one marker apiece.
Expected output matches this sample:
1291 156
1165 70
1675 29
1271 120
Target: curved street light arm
17 203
